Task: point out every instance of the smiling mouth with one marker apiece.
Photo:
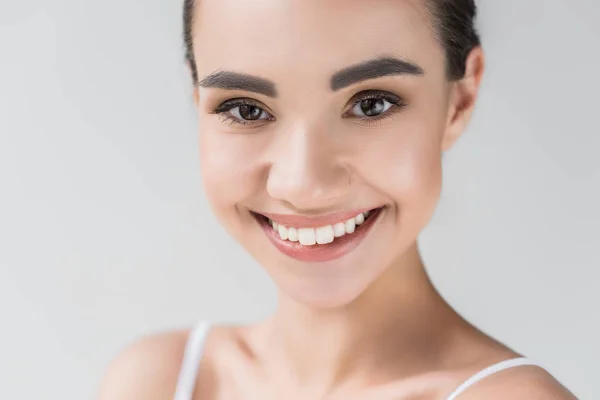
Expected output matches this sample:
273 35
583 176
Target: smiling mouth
321 243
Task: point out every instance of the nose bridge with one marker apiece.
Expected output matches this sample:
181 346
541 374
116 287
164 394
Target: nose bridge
306 170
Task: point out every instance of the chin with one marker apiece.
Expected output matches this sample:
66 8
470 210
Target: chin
324 299
327 290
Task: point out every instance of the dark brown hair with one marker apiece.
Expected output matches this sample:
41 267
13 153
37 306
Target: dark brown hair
454 22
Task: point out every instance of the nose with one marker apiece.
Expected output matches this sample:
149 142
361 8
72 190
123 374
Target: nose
307 172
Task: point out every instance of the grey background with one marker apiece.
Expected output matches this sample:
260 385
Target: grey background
105 234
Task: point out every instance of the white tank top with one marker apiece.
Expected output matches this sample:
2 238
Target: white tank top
194 349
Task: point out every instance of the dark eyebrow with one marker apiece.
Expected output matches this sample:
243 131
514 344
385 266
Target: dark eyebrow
236 81
373 69
348 76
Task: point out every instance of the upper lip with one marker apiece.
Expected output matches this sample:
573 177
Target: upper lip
302 221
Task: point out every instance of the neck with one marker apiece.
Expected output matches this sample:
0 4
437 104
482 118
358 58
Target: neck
396 326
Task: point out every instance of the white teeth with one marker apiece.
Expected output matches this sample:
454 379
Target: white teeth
324 234
350 225
339 229
360 218
307 236
283 232
292 234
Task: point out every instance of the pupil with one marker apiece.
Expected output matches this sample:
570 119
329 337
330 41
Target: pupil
250 112
372 107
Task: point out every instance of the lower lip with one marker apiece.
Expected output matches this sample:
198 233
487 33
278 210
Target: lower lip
320 252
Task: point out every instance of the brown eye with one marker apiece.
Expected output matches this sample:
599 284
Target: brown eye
249 112
373 107
242 111
374 104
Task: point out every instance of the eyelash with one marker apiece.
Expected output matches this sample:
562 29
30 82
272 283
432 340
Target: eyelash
224 108
396 104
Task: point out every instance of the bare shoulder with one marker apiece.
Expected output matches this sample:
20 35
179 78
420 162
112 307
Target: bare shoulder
149 368
519 383
146 369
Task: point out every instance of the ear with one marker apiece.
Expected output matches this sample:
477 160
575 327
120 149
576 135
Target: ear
196 93
463 96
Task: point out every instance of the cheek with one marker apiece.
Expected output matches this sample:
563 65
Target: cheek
404 163
416 175
225 167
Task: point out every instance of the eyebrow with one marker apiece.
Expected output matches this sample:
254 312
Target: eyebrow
235 81
384 66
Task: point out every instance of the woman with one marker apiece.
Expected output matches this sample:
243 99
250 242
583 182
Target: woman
322 129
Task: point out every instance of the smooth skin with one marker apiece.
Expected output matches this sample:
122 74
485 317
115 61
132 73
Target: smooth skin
368 325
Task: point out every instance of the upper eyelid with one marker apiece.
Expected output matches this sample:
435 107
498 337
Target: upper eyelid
230 104
370 93
235 102
382 94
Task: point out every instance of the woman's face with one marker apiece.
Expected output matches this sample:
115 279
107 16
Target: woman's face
312 112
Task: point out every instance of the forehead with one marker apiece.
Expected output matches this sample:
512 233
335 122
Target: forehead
291 39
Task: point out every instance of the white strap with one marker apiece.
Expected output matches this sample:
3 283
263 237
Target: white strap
484 373
191 362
